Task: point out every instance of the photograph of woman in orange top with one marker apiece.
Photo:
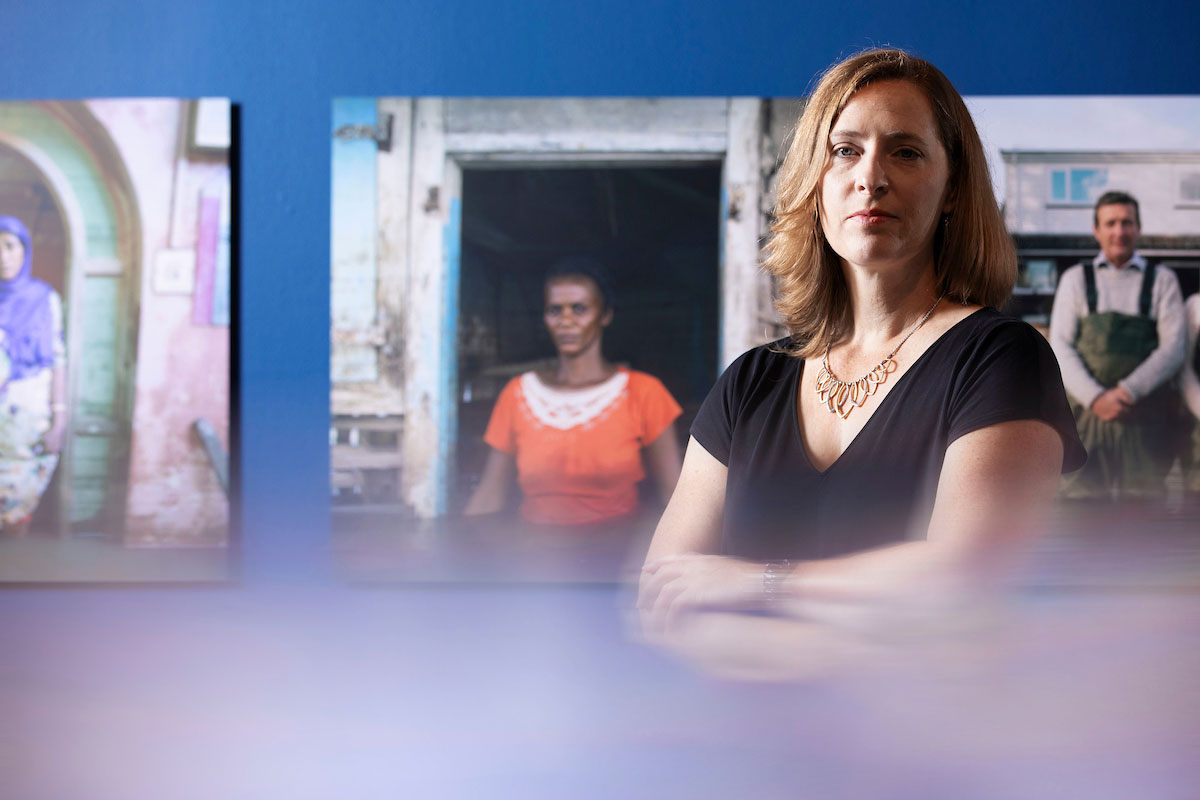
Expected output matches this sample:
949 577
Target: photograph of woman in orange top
576 436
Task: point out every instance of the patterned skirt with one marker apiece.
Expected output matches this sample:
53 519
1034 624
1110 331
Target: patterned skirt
25 471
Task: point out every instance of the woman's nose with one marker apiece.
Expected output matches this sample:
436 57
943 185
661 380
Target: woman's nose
871 178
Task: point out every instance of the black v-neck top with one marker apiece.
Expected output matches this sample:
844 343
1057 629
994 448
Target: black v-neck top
985 370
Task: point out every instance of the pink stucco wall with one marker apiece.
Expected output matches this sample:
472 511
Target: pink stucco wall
182 371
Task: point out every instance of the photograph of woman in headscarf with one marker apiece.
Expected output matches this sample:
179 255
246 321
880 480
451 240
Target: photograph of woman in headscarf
33 409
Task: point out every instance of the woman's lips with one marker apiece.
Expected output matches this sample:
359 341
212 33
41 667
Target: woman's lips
872 217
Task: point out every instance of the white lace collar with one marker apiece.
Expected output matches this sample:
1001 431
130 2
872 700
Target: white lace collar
563 409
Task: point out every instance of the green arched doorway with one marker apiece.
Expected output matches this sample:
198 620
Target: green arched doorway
61 173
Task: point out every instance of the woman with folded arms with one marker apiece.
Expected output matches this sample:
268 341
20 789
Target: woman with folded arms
906 435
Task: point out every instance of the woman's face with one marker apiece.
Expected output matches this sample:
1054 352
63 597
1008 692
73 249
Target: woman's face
884 187
12 256
574 314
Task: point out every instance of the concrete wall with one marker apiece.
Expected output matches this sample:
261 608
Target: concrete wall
1153 178
182 368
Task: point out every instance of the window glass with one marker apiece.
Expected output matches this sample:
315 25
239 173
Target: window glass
1038 274
1077 186
1058 185
1087 184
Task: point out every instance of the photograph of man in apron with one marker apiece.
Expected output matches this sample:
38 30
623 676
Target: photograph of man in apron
1118 330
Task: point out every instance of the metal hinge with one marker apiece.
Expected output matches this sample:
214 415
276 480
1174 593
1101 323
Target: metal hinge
380 133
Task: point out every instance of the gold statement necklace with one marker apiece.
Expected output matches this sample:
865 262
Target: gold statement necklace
841 397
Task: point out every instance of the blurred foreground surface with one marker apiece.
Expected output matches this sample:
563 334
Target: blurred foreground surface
1084 687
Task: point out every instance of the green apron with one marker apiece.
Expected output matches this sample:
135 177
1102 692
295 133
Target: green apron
1129 456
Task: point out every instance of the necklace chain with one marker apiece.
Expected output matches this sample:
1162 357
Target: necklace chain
841 397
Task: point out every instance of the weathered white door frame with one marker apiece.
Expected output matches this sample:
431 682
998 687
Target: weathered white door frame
435 209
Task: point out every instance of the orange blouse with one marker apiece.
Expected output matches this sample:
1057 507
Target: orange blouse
578 451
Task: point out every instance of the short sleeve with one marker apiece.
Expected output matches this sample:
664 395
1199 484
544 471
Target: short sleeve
501 433
657 409
715 422
1011 374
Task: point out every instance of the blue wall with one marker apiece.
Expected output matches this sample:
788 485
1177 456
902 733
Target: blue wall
282 62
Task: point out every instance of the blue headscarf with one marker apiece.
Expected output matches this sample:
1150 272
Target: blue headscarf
25 312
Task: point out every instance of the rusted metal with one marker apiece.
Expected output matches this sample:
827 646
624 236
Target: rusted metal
380 133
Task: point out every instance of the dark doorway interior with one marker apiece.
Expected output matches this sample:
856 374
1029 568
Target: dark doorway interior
656 228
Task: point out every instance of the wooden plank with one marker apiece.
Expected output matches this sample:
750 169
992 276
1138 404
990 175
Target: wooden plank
593 129
344 479
352 242
423 328
445 464
363 399
589 146
96 393
742 281
393 235
694 116
89 467
393 424
344 456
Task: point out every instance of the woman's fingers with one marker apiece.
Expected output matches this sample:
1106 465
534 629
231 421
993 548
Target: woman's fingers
673 585
671 590
675 600
652 583
658 572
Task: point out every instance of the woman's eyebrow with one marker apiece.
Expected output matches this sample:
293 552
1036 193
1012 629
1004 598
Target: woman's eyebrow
890 136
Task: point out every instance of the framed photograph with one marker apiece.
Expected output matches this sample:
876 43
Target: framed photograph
114 310
1052 157
449 214
443 235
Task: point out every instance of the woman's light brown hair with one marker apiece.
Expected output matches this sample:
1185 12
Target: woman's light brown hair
974 257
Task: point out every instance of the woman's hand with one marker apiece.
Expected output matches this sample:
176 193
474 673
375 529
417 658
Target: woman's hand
489 497
674 585
52 440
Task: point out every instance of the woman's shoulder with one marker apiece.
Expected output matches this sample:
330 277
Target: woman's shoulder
769 360
645 388
758 372
1008 349
986 339
639 381
39 286
991 326
512 387
648 394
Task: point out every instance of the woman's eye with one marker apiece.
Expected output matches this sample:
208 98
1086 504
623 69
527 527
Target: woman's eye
578 308
843 151
908 153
